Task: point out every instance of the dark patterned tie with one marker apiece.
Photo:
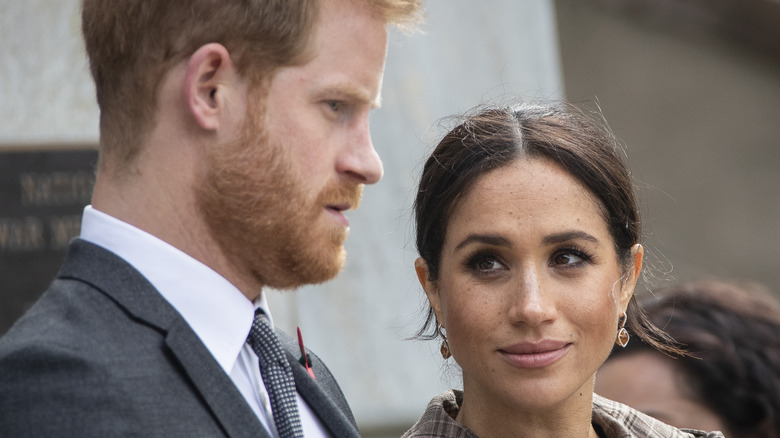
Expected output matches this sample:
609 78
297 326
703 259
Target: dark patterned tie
277 376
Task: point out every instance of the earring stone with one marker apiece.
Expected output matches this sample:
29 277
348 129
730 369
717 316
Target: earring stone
623 337
445 350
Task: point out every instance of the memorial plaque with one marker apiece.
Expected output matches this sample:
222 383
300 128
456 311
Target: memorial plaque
42 196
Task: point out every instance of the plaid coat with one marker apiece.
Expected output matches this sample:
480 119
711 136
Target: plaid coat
614 419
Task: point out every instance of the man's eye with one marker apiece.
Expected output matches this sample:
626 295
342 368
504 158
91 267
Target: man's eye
335 106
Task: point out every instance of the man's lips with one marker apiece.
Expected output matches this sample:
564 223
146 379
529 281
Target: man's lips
336 210
534 354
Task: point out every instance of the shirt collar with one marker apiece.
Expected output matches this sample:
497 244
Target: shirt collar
216 310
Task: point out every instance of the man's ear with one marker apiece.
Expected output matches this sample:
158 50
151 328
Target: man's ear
210 72
632 275
428 285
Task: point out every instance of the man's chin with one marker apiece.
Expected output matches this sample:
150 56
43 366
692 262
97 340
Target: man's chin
312 272
329 270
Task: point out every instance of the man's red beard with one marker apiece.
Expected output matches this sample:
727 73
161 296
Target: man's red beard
252 201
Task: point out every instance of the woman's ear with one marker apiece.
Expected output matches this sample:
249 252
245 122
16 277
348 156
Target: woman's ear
632 275
209 77
428 285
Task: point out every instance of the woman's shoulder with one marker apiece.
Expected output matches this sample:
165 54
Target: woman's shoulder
438 420
619 420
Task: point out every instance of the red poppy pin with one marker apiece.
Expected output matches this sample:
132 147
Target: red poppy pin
304 360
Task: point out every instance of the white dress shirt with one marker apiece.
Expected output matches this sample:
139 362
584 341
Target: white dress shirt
216 310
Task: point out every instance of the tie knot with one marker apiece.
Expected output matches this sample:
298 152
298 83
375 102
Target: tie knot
264 342
261 317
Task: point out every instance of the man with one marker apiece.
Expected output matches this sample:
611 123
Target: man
234 135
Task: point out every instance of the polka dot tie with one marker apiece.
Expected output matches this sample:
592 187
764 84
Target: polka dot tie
277 376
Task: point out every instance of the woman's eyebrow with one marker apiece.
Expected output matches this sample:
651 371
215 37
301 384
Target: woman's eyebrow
490 239
565 236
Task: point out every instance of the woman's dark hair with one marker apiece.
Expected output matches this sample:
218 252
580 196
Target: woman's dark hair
493 137
733 333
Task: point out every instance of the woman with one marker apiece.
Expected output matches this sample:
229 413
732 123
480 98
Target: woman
528 233
732 382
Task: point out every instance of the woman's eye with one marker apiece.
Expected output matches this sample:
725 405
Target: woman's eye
571 258
484 263
488 265
567 259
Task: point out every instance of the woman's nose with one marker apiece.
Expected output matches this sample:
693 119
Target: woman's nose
531 303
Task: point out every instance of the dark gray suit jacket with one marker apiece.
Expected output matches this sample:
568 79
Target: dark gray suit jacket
102 354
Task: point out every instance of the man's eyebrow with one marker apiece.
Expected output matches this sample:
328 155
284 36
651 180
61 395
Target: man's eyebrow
490 239
566 236
349 92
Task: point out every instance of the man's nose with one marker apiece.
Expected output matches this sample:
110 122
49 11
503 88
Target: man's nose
360 160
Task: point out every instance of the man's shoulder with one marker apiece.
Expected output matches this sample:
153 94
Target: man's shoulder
75 332
80 364
53 361
96 294
68 311
72 323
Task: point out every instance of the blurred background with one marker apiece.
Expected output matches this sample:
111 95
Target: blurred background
692 87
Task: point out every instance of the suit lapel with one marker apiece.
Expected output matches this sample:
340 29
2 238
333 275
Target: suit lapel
216 388
132 292
324 406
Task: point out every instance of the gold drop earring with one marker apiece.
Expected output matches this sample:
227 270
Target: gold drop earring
622 335
445 346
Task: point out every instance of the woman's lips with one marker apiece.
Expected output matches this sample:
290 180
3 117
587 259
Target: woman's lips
534 354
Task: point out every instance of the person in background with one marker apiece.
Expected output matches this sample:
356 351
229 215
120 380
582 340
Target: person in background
731 378
529 241
233 138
